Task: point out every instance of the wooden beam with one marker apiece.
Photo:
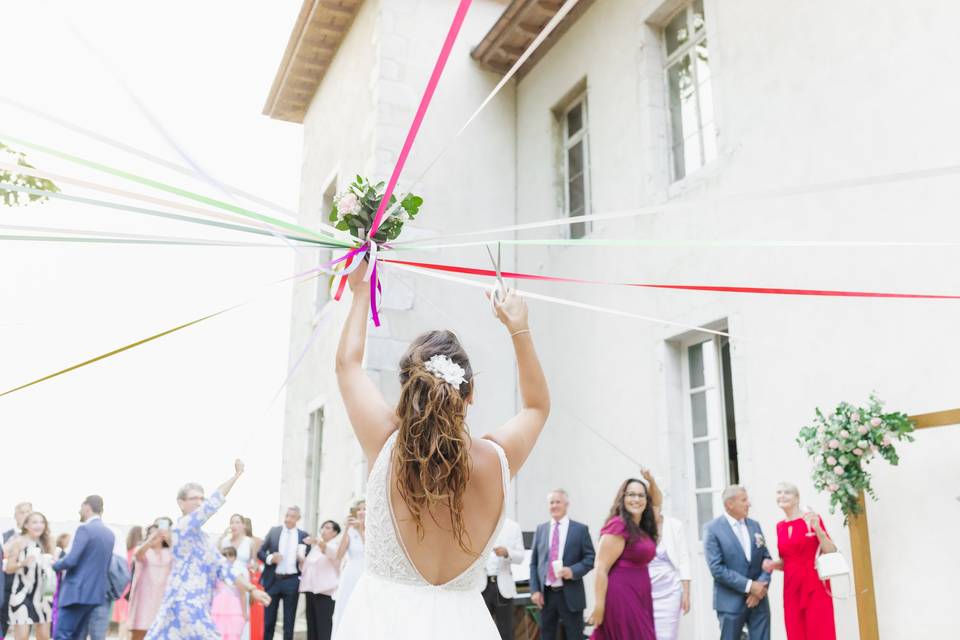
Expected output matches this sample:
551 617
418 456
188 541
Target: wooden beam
550 6
332 29
936 419
863 573
512 51
332 7
529 29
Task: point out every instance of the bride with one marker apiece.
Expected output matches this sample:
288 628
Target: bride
435 495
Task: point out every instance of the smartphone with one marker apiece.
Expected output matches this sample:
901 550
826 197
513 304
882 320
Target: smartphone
163 524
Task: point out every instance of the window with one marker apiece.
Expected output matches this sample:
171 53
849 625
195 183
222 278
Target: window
576 164
711 422
314 468
693 134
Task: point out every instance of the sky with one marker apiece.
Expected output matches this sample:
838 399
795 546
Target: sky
137 426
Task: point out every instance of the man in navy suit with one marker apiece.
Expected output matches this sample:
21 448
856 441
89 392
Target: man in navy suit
735 550
84 585
558 590
281 575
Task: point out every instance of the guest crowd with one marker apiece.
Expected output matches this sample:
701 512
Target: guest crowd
643 571
176 582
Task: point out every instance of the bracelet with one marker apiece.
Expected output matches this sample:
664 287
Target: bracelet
517 333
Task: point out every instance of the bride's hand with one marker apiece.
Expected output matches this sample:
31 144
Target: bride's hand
355 277
512 311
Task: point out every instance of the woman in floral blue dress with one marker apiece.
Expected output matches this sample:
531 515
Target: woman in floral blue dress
197 566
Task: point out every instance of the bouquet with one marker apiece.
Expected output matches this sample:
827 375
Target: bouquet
842 443
355 209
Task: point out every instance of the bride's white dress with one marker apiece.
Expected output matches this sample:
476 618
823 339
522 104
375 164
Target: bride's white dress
392 600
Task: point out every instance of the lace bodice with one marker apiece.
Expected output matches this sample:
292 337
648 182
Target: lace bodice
385 554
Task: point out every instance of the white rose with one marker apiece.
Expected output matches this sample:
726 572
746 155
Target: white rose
348 204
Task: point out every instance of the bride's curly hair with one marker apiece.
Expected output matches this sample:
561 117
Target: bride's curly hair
431 456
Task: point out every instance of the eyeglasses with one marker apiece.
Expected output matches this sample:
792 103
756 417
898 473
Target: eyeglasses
635 495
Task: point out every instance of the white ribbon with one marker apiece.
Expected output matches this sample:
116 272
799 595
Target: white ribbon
372 258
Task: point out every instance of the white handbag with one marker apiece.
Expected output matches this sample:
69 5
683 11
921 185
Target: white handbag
833 565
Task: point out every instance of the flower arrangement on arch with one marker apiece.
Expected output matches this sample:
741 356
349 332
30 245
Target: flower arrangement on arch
355 208
842 443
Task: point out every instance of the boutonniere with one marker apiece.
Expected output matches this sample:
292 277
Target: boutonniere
758 538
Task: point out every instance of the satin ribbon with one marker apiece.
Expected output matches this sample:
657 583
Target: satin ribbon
184 193
779 192
122 146
565 302
674 244
679 287
120 350
263 228
369 244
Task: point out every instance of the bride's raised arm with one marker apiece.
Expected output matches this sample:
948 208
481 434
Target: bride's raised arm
372 418
520 433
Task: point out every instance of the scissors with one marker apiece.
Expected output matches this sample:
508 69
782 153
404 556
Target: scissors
500 291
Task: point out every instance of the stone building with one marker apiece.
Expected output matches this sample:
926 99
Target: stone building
708 114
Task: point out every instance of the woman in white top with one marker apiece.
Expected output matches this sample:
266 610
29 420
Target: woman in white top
669 569
436 494
351 548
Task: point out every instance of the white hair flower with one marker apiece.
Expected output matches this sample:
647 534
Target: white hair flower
446 369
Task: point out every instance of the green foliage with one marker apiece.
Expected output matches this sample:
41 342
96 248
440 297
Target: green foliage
841 444
355 209
19 198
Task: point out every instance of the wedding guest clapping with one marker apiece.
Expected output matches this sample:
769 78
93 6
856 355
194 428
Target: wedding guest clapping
152 561
801 537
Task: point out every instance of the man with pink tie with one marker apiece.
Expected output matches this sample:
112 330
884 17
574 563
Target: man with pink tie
562 554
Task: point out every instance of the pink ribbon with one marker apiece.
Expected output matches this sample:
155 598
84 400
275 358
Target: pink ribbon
448 43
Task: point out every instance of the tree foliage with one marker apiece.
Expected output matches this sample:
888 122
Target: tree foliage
13 198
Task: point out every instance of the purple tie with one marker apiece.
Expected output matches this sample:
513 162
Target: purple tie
554 552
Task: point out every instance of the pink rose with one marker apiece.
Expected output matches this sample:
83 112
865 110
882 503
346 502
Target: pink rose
855 416
834 486
834 444
887 441
844 434
831 461
858 451
876 422
863 428
838 470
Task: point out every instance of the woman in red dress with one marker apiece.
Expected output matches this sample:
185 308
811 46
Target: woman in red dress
807 606
256 571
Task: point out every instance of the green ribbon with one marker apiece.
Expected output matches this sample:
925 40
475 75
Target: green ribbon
163 214
162 186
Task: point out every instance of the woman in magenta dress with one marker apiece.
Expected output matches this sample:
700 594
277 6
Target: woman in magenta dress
628 542
807 606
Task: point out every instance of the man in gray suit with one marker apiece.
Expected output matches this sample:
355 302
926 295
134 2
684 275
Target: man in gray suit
562 554
735 550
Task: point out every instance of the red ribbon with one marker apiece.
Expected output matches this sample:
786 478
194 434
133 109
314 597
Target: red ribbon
681 287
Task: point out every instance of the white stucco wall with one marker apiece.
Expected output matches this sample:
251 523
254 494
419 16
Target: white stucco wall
803 94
